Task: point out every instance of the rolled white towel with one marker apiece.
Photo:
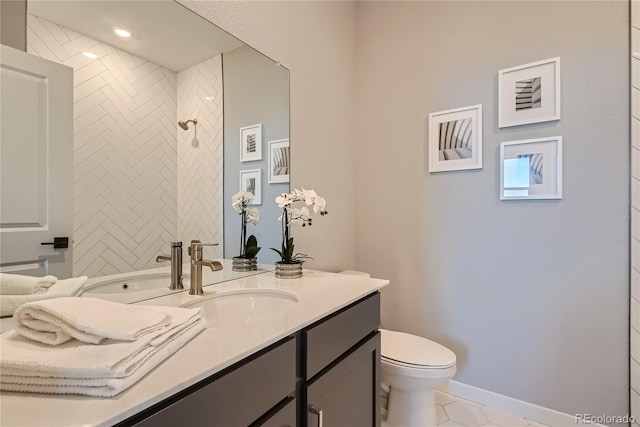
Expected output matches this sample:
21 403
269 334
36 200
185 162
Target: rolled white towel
89 320
63 288
18 284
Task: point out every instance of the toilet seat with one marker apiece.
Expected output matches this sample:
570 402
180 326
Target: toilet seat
409 351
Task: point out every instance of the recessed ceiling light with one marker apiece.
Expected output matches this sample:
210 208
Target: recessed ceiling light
90 55
122 32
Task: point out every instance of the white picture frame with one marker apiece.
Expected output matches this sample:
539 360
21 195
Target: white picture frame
279 164
251 143
455 139
531 169
251 181
529 93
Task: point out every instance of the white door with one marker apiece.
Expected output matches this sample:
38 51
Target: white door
36 164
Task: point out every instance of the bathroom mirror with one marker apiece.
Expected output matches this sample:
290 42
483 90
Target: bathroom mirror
141 179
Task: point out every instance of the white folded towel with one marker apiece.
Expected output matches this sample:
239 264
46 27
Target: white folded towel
91 320
62 288
95 370
18 284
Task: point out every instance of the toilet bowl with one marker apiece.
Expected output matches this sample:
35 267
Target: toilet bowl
412 367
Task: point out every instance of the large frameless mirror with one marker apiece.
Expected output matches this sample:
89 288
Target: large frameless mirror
160 96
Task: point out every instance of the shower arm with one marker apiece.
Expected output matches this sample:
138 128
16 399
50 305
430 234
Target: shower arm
185 125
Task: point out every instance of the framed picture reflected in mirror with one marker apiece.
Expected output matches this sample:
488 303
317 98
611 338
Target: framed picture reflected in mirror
279 168
251 143
251 181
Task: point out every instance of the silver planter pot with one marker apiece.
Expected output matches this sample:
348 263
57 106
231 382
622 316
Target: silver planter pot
244 264
288 271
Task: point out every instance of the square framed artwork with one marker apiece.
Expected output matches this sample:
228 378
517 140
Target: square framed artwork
531 169
251 181
251 143
279 161
455 139
529 93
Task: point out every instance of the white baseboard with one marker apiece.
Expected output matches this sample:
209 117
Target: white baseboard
513 406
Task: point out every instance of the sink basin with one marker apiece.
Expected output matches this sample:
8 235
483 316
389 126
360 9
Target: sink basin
245 306
133 284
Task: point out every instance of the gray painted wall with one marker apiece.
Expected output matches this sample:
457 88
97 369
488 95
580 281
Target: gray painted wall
13 24
316 40
256 90
533 296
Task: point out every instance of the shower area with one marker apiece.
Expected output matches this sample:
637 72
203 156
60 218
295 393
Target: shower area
148 151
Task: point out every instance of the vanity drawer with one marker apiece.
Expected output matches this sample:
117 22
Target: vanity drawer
238 397
330 339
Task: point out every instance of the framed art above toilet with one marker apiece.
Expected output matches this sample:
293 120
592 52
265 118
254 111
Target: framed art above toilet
529 93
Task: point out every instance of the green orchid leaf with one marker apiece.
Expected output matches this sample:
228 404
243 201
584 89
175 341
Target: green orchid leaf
252 251
278 252
252 241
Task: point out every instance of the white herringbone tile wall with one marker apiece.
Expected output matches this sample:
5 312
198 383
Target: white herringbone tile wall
200 150
125 194
635 212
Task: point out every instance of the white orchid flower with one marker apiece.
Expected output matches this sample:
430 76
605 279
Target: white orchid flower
298 216
253 215
304 213
298 194
248 196
310 196
283 200
240 200
320 205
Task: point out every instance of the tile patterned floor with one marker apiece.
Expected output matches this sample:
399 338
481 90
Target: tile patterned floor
452 411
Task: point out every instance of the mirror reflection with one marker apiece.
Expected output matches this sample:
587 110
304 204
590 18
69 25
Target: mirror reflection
159 98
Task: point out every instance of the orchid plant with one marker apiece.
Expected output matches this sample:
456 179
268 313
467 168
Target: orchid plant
297 216
240 201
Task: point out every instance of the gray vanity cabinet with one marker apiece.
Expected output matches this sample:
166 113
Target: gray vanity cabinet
238 396
347 394
343 368
325 375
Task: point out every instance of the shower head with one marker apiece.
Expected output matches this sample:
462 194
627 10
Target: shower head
185 125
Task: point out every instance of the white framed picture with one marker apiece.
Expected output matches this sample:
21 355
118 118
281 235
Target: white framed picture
251 143
455 139
279 161
529 93
531 169
251 181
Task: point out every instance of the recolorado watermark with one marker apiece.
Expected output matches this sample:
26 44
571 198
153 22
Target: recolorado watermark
604 419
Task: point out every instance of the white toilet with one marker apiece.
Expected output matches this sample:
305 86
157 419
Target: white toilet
412 367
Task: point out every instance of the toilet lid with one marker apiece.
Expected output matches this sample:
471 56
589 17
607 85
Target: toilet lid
413 350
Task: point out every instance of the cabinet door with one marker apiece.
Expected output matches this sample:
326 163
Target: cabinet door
236 399
348 393
284 417
332 337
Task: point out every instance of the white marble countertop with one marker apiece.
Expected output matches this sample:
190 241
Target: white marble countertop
219 346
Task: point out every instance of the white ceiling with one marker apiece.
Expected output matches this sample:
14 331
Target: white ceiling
163 31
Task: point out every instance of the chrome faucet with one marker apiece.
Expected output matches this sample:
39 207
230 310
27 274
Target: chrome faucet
195 251
176 265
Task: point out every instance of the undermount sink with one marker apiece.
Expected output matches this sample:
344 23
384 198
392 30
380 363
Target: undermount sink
133 284
244 306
